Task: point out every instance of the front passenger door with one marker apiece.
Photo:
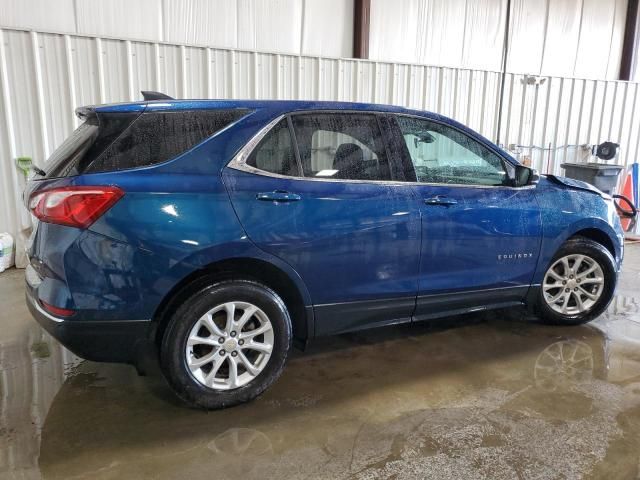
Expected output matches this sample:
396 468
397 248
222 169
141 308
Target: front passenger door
480 235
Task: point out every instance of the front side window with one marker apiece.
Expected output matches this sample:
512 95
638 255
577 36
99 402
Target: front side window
341 146
275 152
442 154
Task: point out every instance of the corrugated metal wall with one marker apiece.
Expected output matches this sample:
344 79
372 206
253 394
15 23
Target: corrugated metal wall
580 38
308 27
45 76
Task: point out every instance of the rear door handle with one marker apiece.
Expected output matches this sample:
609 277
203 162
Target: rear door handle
440 200
278 196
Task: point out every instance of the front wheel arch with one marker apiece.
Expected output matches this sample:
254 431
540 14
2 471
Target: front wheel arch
596 252
598 236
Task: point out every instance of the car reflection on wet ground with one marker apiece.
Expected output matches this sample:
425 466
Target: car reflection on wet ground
492 395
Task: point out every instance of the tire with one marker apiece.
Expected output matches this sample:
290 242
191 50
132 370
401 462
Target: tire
212 385
601 293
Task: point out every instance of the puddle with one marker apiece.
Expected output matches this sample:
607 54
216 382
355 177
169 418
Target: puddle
491 395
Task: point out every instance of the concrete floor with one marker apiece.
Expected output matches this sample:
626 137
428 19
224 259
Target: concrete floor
482 396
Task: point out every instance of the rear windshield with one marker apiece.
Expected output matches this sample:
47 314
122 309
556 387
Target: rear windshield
108 142
74 148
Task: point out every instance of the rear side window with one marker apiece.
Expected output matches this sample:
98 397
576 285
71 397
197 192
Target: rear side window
344 146
118 141
156 137
275 152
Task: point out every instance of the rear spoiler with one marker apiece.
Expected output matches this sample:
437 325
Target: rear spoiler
88 111
85 112
149 95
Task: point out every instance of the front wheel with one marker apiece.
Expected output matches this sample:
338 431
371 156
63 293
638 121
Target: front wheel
226 344
579 283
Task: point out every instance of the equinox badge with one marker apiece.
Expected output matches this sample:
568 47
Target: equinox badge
514 256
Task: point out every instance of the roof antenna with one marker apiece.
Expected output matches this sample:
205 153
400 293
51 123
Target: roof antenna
151 95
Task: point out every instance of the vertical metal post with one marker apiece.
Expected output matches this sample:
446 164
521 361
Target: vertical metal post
69 49
100 66
183 72
256 76
129 63
42 113
469 96
629 41
361 27
505 51
157 66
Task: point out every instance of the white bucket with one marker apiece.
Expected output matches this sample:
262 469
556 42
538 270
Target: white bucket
6 251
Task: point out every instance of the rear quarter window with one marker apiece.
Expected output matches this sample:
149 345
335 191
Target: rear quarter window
156 137
275 152
110 141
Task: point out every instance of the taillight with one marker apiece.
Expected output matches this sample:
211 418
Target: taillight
73 206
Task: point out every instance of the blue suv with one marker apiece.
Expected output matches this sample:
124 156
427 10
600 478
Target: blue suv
219 233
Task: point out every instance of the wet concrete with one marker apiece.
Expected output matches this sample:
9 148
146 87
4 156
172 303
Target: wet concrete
482 396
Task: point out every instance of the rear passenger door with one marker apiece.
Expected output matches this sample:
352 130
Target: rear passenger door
316 192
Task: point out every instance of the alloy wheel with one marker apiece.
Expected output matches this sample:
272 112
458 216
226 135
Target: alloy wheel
230 345
573 284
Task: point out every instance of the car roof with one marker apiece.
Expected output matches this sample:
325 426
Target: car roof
273 108
274 105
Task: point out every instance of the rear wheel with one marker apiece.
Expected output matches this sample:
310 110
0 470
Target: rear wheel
579 283
226 344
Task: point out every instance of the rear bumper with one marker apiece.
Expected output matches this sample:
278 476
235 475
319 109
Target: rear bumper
120 341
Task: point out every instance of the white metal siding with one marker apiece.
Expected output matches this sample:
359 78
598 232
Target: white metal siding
140 19
580 38
45 76
54 16
308 27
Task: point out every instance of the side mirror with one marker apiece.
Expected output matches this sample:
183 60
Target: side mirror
526 176
423 137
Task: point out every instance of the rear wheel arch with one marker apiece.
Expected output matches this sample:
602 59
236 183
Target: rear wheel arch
244 268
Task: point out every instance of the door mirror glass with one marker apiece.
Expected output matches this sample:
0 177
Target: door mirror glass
534 178
525 176
422 137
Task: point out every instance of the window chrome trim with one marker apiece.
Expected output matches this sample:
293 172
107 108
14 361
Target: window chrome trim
239 161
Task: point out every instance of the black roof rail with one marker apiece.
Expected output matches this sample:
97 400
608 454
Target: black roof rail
151 95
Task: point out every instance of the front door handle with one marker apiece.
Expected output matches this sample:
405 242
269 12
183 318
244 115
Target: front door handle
278 196
440 200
